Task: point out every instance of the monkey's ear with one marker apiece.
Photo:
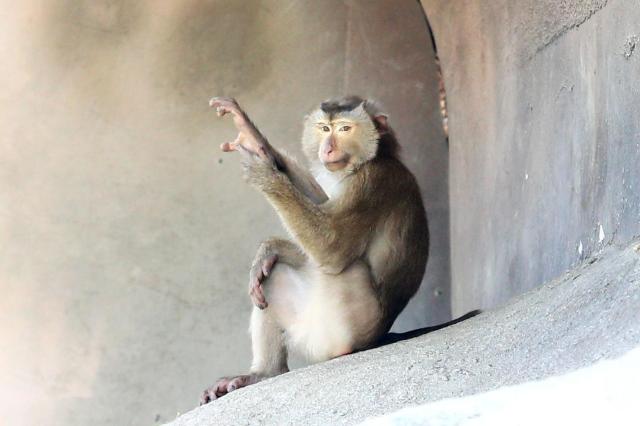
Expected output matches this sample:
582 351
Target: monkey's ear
381 121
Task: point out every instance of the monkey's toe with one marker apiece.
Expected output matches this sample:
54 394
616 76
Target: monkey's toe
216 391
206 397
239 382
225 385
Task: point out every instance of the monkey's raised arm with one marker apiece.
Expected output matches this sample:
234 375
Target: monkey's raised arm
333 236
300 177
250 139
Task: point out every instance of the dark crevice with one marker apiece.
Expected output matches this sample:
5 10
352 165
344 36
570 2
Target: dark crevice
442 94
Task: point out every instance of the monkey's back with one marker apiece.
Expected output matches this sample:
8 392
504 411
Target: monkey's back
398 250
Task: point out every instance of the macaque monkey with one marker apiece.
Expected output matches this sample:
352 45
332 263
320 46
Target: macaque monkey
359 237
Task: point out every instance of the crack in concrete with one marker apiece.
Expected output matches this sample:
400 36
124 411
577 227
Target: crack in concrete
567 26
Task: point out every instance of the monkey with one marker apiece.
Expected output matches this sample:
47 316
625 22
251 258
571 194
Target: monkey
359 237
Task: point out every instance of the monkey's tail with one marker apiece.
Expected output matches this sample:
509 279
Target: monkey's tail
396 337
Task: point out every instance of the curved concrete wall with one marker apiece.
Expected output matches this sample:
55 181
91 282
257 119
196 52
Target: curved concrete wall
543 101
125 235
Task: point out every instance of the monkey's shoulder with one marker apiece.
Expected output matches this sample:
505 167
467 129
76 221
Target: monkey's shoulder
390 178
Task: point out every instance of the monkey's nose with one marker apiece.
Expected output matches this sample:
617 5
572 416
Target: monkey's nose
328 147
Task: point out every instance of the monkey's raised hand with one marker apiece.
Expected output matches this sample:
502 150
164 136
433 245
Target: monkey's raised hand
249 137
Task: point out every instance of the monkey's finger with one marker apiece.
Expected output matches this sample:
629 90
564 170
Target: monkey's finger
221 111
259 304
229 146
224 106
267 264
257 296
233 145
221 100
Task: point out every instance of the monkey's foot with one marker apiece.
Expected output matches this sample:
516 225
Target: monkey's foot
226 385
259 273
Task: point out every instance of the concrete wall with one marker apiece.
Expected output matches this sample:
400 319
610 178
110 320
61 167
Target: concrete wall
125 235
543 100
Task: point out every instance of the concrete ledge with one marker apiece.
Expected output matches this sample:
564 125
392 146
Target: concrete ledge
590 313
605 393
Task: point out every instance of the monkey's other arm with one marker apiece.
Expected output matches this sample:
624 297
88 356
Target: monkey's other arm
250 139
270 252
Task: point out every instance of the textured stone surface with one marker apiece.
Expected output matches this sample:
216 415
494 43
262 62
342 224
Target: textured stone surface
589 314
603 393
125 235
544 138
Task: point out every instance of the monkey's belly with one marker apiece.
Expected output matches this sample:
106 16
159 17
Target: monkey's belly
325 315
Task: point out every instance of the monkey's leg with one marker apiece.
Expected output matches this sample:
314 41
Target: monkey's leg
267 339
321 315
267 344
267 334
324 315
269 356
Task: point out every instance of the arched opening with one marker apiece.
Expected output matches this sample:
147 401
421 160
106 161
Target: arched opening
126 219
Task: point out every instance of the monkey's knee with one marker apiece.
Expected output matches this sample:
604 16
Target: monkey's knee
280 282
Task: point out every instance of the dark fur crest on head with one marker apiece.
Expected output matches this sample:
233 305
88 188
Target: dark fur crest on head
335 106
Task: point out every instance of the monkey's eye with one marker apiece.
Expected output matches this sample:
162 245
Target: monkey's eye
325 128
345 128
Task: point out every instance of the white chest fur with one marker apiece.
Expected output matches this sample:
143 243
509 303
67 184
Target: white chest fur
330 182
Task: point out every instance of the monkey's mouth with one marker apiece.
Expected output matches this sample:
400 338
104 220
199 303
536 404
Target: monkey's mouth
338 164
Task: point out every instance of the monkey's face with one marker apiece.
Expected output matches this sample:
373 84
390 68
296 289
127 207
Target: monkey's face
340 140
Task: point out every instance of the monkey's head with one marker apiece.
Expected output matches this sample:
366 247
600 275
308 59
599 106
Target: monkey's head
344 133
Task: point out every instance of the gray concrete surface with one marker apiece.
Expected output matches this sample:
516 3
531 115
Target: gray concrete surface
589 314
605 393
544 137
125 235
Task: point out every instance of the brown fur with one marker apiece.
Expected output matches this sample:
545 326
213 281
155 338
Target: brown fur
365 249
